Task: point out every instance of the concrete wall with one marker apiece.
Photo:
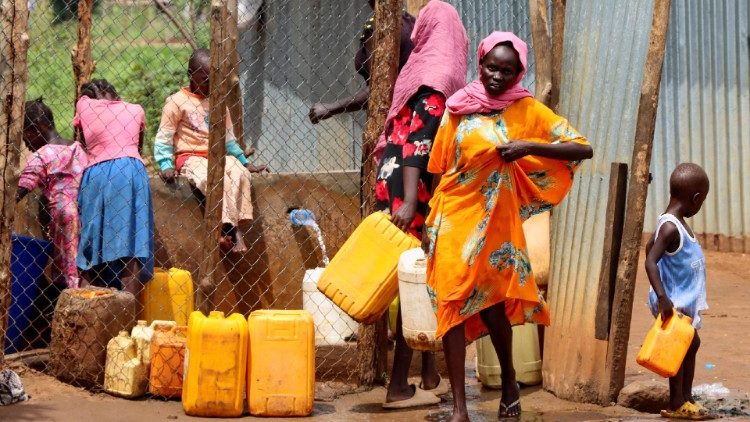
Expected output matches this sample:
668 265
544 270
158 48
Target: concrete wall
270 274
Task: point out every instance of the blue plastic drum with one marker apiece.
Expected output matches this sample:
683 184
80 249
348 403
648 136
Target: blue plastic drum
29 257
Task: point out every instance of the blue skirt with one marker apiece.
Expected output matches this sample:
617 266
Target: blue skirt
117 216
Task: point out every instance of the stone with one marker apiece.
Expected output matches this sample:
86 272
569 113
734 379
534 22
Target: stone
645 396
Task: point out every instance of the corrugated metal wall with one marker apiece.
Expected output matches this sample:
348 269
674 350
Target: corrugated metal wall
704 116
305 52
605 50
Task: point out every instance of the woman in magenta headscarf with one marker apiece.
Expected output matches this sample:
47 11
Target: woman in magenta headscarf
435 70
499 157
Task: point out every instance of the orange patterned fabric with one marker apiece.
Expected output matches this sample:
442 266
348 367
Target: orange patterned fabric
477 251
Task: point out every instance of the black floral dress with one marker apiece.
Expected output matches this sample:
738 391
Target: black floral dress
410 137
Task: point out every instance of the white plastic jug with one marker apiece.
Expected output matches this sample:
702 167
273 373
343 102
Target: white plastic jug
418 320
143 334
332 325
527 360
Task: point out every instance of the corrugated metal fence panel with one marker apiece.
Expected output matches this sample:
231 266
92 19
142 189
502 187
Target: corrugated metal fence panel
704 116
605 49
305 53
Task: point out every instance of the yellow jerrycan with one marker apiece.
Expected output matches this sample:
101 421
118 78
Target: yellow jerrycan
527 360
125 374
666 345
215 365
362 278
537 233
168 296
281 370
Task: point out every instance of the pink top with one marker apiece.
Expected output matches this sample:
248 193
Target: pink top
111 128
57 169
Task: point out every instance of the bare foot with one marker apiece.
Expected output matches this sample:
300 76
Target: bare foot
430 380
239 244
226 244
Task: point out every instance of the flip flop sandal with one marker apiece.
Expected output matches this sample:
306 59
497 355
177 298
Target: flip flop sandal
509 410
442 388
688 411
420 398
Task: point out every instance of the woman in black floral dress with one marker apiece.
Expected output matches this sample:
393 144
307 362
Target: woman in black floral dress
409 141
435 70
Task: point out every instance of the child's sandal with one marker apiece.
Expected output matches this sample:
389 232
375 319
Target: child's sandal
688 411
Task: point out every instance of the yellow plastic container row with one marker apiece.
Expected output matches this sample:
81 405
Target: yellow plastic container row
362 278
666 345
276 365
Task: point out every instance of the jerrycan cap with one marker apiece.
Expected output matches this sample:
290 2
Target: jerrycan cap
216 314
141 323
123 334
420 263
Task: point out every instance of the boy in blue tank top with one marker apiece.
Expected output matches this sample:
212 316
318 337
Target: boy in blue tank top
676 269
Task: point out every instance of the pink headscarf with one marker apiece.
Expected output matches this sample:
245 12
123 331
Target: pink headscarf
474 98
438 60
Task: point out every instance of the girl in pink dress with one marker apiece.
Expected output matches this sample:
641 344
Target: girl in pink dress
55 166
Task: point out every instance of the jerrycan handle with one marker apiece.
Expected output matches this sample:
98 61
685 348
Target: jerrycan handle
669 322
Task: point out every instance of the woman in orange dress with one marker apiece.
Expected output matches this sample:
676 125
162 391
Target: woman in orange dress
499 157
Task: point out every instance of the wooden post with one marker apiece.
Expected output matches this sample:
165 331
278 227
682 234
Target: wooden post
542 49
234 97
80 55
372 348
212 268
622 306
558 40
13 48
615 215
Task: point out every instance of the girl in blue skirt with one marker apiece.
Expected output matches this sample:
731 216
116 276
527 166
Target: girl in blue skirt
117 220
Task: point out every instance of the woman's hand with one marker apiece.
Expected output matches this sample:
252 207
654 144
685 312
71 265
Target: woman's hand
404 216
514 150
425 240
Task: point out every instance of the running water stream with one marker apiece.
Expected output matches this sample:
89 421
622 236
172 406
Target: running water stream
304 217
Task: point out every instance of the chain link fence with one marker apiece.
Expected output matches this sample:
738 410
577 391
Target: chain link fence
292 54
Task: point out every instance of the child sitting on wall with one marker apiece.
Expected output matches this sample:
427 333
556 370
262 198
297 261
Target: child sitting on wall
181 147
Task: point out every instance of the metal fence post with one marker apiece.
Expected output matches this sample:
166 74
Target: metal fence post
13 49
372 348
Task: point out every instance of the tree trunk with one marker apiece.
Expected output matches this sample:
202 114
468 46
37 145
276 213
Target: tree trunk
558 40
542 49
13 48
80 55
372 348
234 98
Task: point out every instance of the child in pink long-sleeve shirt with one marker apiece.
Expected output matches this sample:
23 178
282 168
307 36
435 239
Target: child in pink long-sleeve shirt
56 167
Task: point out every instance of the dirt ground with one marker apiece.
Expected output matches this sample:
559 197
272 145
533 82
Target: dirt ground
725 349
